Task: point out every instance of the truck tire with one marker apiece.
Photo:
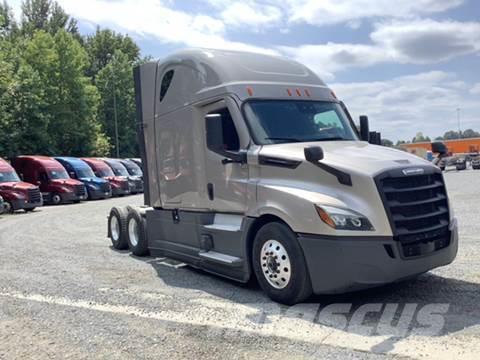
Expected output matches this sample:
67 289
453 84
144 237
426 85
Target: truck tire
56 199
117 228
136 235
279 264
8 207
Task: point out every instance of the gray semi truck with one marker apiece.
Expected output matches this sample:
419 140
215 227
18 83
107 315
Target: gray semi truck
254 169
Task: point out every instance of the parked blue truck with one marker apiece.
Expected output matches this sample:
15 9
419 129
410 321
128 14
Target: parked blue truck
97 188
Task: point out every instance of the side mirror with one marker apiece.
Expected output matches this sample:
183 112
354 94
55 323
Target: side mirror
313 154
72 175
214 132
439 148
38 183
364 128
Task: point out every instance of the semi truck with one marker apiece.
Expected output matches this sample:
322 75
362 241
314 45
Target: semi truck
119 184
253 168
17 195
97 187
135 181
50 176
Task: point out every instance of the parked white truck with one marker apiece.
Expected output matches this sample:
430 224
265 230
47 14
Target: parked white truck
254 168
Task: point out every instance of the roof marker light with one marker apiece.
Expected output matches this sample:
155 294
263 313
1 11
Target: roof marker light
307 92
299 93
289 92
250 91
333 94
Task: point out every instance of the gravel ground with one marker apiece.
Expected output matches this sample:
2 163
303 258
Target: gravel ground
65 293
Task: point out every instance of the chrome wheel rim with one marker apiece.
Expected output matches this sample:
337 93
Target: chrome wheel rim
275 264
114 228
133 232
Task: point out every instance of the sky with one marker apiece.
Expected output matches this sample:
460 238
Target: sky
410 65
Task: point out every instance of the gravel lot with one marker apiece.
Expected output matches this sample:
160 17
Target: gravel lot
65 293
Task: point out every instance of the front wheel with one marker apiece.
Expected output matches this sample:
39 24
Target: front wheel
56 199
279 264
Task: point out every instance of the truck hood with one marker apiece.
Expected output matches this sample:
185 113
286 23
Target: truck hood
350 156
94 180
67 182
22 186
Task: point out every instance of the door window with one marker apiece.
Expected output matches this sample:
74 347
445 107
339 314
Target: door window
229 140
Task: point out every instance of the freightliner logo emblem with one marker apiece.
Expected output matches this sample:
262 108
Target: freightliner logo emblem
414 171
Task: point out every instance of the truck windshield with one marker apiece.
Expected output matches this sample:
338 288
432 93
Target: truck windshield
283 121
10 176
133 169
84 173
118 169
58 174
105 172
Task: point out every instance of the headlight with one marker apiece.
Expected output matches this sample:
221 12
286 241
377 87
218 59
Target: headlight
343 219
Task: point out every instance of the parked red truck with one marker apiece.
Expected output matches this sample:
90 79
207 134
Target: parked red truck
17 195
120 186
55 184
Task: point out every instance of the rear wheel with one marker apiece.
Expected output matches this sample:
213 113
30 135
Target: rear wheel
279 264
117 228
136 236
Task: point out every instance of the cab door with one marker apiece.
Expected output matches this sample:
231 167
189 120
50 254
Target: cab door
226 169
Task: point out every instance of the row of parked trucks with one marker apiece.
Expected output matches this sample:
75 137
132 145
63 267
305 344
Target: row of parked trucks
30 181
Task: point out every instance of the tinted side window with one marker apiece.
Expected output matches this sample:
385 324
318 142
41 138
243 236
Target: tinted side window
166 81
229 137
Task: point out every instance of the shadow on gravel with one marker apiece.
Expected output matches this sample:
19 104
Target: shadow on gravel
459 299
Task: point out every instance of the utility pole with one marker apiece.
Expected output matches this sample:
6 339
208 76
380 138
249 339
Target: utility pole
115 117
458 121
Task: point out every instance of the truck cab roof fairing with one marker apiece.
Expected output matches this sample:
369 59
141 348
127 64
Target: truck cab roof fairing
202 73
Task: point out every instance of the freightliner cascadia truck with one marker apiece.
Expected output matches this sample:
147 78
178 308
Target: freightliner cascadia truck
254 168
17 195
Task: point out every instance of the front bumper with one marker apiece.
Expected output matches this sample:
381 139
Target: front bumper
339 265
21 204
96 194
120 191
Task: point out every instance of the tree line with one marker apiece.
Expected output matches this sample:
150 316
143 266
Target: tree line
57 87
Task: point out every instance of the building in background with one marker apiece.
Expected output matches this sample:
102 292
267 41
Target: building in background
455 147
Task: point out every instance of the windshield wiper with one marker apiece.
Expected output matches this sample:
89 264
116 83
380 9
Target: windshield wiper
285 139
336 138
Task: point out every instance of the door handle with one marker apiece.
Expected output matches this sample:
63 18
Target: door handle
210 192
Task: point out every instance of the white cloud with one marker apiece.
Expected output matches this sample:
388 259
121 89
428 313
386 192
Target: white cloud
475 90
428 41
412 42
402 106
251 15
327 12
158 19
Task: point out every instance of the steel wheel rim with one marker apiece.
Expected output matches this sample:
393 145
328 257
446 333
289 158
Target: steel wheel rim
115 228
275 264
133 232
56 199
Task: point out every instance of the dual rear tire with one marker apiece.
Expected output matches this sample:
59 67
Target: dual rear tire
126 230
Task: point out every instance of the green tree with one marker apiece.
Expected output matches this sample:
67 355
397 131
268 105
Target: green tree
103 44
451 135
46 15
387 143
420 138
8 25
115 83
470 133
